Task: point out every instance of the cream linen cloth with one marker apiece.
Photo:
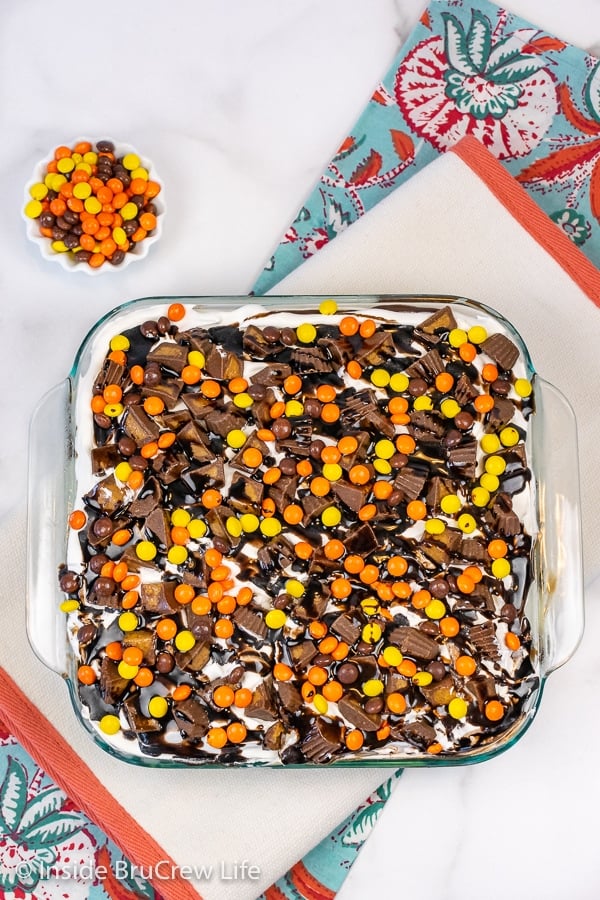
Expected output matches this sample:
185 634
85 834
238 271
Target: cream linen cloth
444 232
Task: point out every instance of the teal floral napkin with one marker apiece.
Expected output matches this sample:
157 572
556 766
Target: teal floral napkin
468 68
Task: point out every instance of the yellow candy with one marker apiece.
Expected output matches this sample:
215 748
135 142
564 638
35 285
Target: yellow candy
270 527
457 337
458 708
48 180
119 342
466 523
380 378
450 504
68 606
123 471
490 482
127 671
523 387
196 528
509 436
131 161
480 497
196 358
369 606
294 587
435 610
243 400
233 526
57 182
490 443
128 621
76 157
384 449
129 211
177 554
118 235
84 166
495 465
180 517
373 687
145 551
109 724
422 679
184 641
158 707
249 522
113 410
399 382
320 704
477 334
38 191
82 191
382 466
423 402
90 158
59 246
328 308
65 165
331 517
371 633
500 568
332 471
293 408
275 618
33 209
306 333
140 172
392 656
449 408
435 526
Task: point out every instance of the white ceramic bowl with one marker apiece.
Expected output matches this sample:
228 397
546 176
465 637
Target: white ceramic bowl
66 260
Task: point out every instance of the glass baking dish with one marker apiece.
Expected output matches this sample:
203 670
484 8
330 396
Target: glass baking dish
553 601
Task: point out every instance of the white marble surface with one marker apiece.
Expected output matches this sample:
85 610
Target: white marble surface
240 105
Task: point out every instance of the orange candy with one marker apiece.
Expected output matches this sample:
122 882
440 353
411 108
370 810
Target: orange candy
236 732
512 641
86 675
223 696
348 326
292 384
494 711
281 672
416 510
354 740
396 703
242 698
332 691
166 629
347 445
359 474
77 519
465 666
334 549
176 312
326 393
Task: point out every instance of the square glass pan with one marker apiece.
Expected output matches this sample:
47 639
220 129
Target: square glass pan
554 601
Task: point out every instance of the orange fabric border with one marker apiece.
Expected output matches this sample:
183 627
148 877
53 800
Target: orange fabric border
528 214
50 750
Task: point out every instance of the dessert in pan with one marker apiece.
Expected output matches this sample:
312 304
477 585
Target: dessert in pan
302 537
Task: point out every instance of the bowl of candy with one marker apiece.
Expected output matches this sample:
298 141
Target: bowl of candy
94 207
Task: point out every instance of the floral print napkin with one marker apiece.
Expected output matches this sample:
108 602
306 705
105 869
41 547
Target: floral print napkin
468 68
